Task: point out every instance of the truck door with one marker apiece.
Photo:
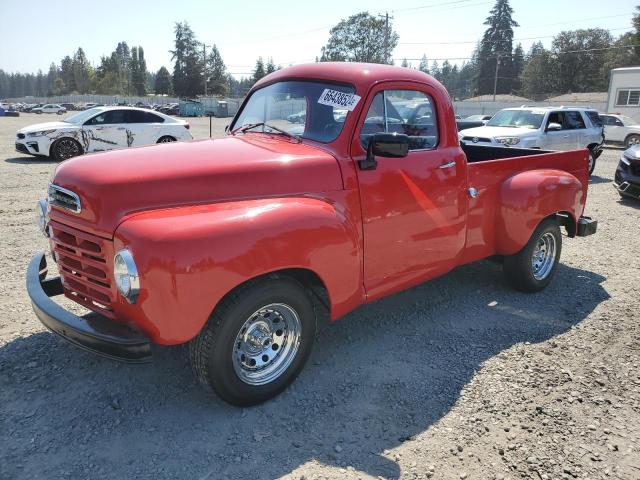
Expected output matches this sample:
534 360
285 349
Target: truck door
413 208
574 123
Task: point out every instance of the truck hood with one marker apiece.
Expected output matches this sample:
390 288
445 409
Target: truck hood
490 132
112 185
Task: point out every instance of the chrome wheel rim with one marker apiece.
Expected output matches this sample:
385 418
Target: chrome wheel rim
633 141
266 344
67 148
544 256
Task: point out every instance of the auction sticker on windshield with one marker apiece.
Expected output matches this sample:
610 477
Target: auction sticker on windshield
334 98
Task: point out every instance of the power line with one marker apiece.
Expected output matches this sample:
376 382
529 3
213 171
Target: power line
497 41
553 53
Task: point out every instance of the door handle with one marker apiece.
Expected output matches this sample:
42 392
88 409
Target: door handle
450 164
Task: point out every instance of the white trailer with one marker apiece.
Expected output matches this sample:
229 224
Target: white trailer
624 92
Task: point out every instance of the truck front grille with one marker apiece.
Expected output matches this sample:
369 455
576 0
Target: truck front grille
84 269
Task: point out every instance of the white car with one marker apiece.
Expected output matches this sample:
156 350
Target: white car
546 128
98 129
620 129
50 108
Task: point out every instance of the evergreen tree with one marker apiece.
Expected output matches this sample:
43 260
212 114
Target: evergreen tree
66 74
187 70
217 81
271 67
259 70
424 64
163 82
138 71
405 63
497 46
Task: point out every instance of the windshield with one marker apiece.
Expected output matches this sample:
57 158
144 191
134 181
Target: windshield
82 117
308 109
517 119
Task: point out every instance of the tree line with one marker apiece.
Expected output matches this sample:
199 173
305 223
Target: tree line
577 61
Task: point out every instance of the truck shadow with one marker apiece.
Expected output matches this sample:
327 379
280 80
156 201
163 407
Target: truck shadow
377 378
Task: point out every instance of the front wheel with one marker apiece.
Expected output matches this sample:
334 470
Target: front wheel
256 341
65 148
166 139
533 267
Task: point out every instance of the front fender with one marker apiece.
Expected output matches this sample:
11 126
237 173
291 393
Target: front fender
189 258
527 198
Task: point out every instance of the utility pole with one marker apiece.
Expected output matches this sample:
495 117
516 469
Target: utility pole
204 65
386 17
495 78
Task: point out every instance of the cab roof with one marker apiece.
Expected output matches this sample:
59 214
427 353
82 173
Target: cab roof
360 75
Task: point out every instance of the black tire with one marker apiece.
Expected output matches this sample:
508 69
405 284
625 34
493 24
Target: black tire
214 351
65 148
592 162
166 139
631 140
519 269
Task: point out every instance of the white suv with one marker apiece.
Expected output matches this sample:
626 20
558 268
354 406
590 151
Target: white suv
621 129
546 128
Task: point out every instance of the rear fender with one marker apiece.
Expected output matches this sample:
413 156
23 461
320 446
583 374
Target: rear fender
189 258
529 197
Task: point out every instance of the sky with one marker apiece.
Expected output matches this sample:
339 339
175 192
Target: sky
37 32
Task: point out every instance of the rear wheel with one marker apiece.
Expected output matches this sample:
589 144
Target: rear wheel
255 342
533 267
632 140
65 148
166 139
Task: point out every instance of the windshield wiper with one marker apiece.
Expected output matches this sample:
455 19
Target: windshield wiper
250 126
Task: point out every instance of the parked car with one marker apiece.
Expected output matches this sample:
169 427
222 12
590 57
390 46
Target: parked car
627 176
298 117
68 106
473 121
100 128
50 108
90 105
478 118
28 108
240 246
547 128
621 129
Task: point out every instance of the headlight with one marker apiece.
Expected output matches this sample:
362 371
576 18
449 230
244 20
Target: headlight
40 134
624 160
42 216
126 275
507 141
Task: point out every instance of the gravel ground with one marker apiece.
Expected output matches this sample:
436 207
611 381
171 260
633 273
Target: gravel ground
458 378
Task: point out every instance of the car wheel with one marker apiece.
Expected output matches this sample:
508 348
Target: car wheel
38 112
166 139
65 148
592 162
533 267
632 140
256 341
60 112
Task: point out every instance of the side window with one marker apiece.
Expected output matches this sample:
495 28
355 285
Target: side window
135 116
574 121
151 118
595 118
607 120
556 117
406 112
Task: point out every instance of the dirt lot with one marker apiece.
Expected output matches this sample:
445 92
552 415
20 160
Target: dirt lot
458 378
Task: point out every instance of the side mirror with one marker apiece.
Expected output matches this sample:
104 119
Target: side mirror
554 127
226 129
390 145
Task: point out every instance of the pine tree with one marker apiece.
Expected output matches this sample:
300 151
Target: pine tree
496 46
217 81
424 64
405 63
187 70
259 71
271 67
163 82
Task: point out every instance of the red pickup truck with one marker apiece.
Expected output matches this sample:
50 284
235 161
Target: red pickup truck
336 184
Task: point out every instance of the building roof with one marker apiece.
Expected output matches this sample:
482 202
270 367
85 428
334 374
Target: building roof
499 98
626 69
579 97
